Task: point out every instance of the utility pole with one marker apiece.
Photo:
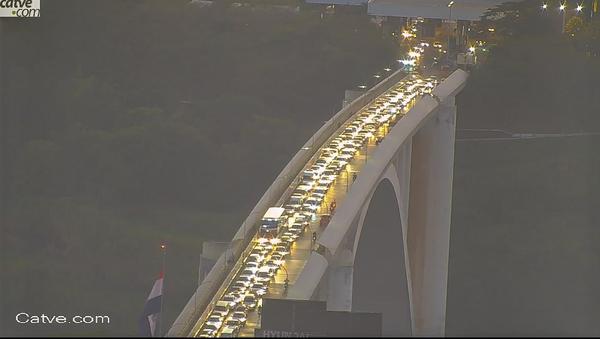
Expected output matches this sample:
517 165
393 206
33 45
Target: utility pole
163 248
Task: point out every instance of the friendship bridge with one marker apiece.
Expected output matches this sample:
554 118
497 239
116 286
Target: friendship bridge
385 248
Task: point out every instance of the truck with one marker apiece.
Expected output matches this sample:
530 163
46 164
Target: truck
271 222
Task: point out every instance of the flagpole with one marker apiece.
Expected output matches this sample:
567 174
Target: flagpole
163 248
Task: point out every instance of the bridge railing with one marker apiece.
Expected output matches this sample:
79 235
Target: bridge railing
280 188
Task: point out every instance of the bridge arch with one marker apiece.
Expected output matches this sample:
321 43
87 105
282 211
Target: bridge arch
380 253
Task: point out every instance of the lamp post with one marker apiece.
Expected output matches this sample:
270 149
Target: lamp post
450 4
563 8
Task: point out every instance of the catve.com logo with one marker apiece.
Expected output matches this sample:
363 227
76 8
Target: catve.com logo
19 8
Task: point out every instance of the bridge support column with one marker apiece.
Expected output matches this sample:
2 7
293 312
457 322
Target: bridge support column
432 164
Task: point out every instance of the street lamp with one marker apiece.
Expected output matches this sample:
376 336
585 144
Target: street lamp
544 6
563 8
579 8
450 4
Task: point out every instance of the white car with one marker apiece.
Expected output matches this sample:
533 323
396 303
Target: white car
311 204
239 316
264 275
290 235
214 320
282 250
250 301
297 228
231 299
345 157
260 288
254 265
256 257
320 192
248 273
230 330
327 178
348 151
221 309
302 190
209 330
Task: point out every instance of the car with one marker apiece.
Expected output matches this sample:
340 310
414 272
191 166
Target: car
247 280
309 175
240 307
214 320
330 150
287 239
264 275
256 257
365 134
230 330
351 151
308 183
232 299
302 190
250 301
239 316
320 192
290 235
327 178
239 286
221 308
311 204
209 330
358 141
254 265
296 199
350 130
260 288
338 164
301 218
297 229
282 250
259 251
317 197
327 155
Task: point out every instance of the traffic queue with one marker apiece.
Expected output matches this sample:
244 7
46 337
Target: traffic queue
282 226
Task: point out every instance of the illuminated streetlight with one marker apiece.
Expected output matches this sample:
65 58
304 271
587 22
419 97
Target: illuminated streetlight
472 49
563 9
544 6
579 8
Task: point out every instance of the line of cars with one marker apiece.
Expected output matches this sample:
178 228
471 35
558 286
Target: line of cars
282 226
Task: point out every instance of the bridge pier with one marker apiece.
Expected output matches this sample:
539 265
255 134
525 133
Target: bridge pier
429 219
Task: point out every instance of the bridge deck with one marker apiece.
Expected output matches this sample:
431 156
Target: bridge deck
301 248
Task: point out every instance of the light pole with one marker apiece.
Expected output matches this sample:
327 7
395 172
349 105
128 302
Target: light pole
563 8
450 4
347 175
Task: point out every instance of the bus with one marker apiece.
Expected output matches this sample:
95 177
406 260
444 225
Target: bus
271 221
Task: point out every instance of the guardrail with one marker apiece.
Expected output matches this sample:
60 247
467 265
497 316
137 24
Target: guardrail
206 291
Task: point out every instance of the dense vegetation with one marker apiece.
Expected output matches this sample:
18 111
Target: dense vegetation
524 253
126 123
